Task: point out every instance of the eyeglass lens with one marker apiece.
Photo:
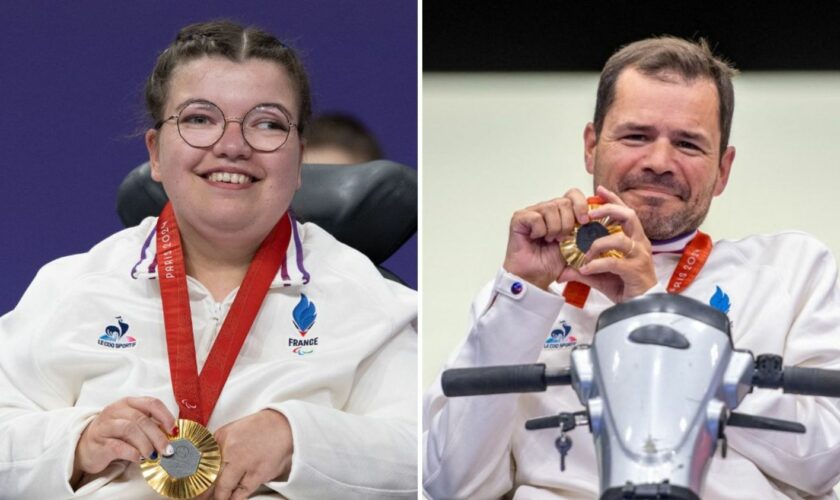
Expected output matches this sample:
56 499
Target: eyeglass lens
265 128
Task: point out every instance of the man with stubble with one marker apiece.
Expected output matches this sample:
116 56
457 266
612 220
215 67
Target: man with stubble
658 150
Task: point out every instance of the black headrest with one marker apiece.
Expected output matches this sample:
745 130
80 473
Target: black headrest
371 206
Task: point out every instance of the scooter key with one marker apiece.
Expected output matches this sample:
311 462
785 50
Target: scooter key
563 444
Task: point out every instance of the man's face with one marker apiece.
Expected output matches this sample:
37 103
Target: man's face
659 150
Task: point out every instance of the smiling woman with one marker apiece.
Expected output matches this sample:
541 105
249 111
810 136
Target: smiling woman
202 159
265 357
75 106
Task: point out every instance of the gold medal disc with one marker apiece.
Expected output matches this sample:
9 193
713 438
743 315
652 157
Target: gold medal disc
192 469
573 248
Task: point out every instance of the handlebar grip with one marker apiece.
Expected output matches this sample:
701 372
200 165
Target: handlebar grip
811 381
493 380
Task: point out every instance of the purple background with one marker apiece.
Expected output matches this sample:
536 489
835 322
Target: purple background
71 108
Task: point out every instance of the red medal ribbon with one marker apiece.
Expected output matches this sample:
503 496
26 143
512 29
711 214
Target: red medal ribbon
576 293
196 394
694 257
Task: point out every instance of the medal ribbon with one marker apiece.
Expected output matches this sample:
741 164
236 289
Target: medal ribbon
196 394
694 257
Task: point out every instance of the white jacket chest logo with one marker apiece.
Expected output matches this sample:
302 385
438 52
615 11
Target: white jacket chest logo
720 301
115 336
560 336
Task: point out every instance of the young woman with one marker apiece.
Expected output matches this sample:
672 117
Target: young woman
222 314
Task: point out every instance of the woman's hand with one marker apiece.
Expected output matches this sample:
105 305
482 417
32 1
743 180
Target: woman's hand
255 450
129 429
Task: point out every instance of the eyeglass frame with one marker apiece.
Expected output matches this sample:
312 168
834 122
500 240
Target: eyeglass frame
236 119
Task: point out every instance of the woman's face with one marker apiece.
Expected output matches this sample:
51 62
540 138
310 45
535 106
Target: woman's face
206 200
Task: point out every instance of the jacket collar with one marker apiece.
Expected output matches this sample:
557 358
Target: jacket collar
292 271
673 245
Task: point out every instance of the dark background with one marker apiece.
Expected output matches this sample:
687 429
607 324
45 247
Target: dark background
71 108
470 35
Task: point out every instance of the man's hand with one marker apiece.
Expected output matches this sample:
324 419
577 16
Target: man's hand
618 279
533 251
129 429
255 449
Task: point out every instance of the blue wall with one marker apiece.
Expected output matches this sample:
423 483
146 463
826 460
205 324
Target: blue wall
71 79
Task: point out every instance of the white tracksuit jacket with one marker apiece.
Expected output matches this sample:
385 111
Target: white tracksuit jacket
351 399
784 299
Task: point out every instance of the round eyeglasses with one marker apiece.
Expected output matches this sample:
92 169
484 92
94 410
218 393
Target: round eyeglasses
201 124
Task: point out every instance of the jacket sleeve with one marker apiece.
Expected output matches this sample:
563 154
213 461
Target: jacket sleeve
368 448
466 441
808 462
39 425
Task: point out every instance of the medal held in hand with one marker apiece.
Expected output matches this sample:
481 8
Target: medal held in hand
573 248
197 460
193 467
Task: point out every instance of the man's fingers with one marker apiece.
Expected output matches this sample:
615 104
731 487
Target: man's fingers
552 220
599 266
616 241
616 209
529 223
618 267
569 273
625 216
549 220
609 196
595 263
596 281
569 219
580 207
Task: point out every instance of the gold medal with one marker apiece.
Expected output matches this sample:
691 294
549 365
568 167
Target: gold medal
574 247
192 469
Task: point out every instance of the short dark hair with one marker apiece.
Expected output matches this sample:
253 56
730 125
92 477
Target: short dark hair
667 54
344 132
234 42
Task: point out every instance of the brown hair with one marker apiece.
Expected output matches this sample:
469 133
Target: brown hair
232 41
667 54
